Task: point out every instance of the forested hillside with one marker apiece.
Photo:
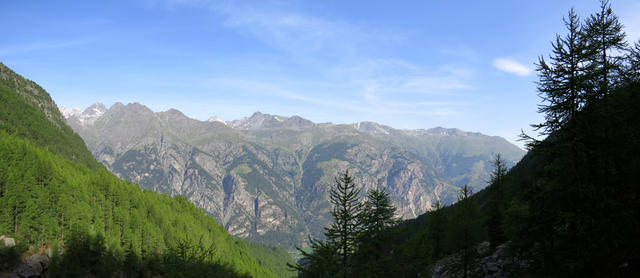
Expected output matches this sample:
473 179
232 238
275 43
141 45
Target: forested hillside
569 208
55 199
19 99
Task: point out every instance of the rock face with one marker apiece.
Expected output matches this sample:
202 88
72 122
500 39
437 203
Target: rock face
489 263
32 266
7 241
266 177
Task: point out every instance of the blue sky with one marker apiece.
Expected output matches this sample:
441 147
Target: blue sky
407 64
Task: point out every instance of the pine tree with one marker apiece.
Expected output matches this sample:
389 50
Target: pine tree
376 218
566 85
496 202
632 70
466 229
437 229
345 227
321 262
563 79
378 213
606 41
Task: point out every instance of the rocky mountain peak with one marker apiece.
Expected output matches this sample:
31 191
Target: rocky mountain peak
446 131
441 131
257 115
132 110
95 110
299 122
259 121
216 119
86 117
117 105
69 112
373 128
173 114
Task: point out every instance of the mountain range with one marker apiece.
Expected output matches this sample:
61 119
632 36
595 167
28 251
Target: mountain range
266 177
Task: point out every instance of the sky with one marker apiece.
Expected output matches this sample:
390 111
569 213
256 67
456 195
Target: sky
406 64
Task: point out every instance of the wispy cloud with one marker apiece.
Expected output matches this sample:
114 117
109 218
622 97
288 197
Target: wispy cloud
342 64
511 66
286 28
389 77
295 32
331 95
282 89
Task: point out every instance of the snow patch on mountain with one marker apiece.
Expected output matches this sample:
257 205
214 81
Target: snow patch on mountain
86 117
216 119
373 128
69 112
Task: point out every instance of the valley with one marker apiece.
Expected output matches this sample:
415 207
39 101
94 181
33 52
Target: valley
266 177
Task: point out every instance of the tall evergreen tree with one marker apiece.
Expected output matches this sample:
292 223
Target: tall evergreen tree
467 229
633 64
606 41
436 229
496 202
321 262
346 226
378 212
563 79
575 77
376 218
573 192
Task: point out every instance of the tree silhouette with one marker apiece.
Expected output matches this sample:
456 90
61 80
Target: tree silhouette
344 230
376 218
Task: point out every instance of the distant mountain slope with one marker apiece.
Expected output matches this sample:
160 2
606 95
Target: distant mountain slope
265 177
51 192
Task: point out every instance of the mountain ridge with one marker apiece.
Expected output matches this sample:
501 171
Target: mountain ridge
256 120
265 177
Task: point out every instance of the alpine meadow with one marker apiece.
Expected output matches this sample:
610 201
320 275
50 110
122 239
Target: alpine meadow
410 139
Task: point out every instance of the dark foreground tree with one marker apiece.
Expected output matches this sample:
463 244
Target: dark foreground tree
632 69
466 230
333 257
578 221
563 78
428 245
436 229
496 203
377 217
346 225
607 45
321 262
